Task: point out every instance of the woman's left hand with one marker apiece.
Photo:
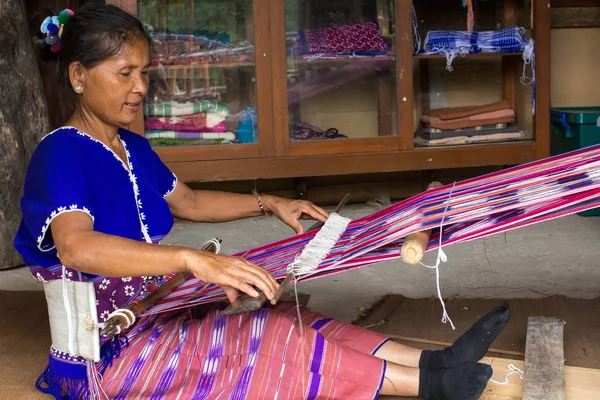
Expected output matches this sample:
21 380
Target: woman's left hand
291 211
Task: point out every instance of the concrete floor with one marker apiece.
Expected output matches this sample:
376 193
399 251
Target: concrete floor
530 262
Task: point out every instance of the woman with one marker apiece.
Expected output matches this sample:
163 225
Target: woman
97 199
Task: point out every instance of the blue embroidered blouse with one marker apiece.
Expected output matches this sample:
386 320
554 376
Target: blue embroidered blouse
70 171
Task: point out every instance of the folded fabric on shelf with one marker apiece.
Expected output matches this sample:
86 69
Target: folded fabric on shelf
449 113
458 140
466 131
159 91
429 134
202 122
164 134
345 38
452 43
488 118
174 109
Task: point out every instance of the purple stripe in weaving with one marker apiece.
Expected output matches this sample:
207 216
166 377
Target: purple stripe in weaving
315 367
212 360
135 370
258 321
320 323
166 380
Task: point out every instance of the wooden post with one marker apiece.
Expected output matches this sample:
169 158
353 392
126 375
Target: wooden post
23 119
544 360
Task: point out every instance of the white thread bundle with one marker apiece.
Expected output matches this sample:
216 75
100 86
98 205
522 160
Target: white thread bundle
315 251
320 246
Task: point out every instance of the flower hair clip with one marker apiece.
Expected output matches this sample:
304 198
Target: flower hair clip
52 28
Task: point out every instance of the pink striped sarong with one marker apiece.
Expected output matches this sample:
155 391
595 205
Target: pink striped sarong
258 355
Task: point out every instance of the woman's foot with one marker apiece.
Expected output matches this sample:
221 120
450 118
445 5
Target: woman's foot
472 345
465 382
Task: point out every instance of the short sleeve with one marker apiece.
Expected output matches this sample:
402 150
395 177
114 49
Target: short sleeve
55 184
166 180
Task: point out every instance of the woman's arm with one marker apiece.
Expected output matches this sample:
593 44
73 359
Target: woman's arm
214 206
81 248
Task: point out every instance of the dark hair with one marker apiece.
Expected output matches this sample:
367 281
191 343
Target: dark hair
93 34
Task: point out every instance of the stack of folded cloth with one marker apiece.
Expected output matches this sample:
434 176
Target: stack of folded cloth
474 124
174 123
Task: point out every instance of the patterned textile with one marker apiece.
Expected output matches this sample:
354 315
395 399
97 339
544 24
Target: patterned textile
166 134
174 49
508 40
477 207
257 355
174 109
453 43
203 122
345 38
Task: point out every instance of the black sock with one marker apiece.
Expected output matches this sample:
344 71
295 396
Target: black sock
472 345
465 382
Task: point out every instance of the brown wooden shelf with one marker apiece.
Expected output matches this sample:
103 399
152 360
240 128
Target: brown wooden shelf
397 82
357 163
468 56
202 66
342 60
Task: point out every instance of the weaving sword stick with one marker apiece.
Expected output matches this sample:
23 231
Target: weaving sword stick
246 303
119 320
414 247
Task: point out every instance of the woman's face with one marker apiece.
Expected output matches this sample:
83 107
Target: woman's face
114 89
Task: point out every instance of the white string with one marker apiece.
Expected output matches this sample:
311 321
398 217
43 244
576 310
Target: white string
441 257
68 310
514 370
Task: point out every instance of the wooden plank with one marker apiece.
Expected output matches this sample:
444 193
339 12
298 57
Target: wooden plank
385 103
509 64
279 88
576 17
358 163
544 360
264 89
542 78
404 74
580 383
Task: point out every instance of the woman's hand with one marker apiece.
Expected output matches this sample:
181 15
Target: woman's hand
230 273
290 211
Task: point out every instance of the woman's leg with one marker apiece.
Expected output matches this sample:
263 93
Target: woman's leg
399 354
465 382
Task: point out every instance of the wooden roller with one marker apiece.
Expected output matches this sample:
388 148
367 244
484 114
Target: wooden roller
414 246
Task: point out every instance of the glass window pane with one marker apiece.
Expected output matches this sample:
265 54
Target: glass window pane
482 75
341 69
202 78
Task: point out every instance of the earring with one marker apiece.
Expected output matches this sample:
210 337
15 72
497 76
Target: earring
78 89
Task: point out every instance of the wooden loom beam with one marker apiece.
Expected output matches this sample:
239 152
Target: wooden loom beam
413 248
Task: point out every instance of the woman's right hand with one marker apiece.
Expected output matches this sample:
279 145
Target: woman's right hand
232 274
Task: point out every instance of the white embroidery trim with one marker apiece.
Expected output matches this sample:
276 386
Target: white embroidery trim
173 187
132 177
54 214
